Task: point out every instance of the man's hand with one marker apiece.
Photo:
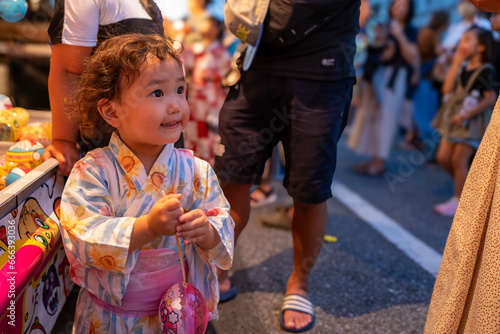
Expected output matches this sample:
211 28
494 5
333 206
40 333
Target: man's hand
65 152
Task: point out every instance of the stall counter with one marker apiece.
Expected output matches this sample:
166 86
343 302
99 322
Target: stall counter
34 271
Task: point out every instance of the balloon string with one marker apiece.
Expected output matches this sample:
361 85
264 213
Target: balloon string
182 261
179 251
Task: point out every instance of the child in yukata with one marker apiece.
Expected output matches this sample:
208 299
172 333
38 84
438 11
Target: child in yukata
119 231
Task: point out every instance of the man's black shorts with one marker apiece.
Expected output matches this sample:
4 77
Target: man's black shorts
308 116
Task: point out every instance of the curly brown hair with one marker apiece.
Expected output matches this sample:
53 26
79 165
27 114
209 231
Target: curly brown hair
112 67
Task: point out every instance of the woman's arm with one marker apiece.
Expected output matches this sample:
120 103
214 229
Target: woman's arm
66 65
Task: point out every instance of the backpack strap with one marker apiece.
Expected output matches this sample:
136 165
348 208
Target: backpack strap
475 75
294 34
154 12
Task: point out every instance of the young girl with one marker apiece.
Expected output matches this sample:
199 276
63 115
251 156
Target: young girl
466 112
118 229
208 62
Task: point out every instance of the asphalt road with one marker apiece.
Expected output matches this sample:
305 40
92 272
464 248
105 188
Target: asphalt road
362 283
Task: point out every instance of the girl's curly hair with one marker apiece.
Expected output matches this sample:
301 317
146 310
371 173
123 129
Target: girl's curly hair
112 67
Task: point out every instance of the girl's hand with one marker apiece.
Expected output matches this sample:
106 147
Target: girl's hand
164 215
194 227
458 57
396 29
457 120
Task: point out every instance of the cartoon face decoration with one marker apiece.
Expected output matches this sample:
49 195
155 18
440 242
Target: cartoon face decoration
51 290
63 270
37 328
30 305
3 239
35 224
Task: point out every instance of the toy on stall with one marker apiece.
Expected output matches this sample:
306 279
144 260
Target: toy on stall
11 122
183 308
3 176
5 102
9 128
40 133
16 174
26 153
13 10
21 115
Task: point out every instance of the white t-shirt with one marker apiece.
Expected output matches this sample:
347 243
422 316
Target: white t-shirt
85 22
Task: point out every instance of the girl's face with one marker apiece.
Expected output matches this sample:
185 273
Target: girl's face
495 22
153 111
209 30
400 10
469 45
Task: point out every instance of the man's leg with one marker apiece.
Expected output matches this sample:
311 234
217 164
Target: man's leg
238 196
319 111
308 229
247 111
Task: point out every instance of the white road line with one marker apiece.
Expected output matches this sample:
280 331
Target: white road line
417 250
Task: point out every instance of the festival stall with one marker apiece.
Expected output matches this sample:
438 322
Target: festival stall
34 271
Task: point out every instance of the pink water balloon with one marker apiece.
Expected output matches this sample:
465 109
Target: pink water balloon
183 309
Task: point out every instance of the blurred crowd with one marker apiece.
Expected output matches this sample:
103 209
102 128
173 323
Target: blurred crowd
209 51
433 89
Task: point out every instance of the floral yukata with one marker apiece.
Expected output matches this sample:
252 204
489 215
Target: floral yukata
104 194
208 66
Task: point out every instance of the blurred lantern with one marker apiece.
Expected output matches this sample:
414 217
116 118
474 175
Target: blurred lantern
13 10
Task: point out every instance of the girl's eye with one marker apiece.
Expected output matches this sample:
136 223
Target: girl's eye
180 90
157 93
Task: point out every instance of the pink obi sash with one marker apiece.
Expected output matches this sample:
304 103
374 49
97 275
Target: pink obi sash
154 272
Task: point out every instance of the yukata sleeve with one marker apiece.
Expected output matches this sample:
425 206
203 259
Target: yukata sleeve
96 240
206 194
212 198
